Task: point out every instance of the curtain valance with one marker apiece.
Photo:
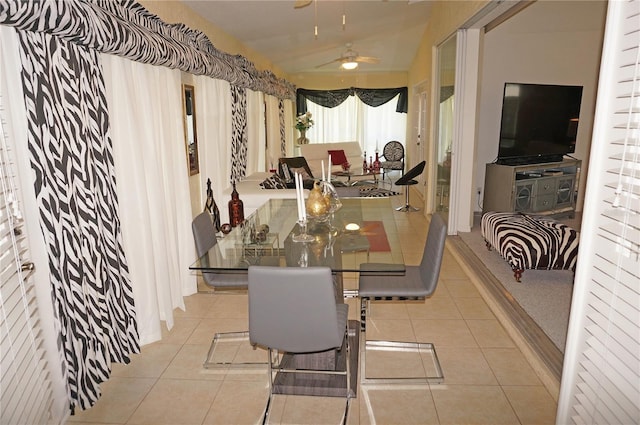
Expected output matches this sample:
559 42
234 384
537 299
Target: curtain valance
333 98
125 28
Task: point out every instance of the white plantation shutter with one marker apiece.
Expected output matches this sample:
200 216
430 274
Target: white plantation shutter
25 388
601 377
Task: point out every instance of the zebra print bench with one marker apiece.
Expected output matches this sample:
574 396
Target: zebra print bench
530 242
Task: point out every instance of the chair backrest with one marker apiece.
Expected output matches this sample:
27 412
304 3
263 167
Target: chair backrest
293 309
204 234
393 151
411 174
433 253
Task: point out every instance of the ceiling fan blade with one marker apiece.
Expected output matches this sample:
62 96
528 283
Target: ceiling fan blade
330 62
299 4
367 59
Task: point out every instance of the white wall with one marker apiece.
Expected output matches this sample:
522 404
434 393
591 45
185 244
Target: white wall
555 42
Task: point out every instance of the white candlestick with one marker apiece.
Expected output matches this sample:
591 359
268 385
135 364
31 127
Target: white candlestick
322 166
329 170
298 197
304 208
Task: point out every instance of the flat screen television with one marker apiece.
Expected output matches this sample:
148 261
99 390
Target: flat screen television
539 123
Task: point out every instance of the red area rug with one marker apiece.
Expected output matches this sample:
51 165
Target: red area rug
374 231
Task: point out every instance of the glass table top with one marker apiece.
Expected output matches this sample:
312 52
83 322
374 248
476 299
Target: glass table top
374 240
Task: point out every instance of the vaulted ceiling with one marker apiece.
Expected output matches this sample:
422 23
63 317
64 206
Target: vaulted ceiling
390 30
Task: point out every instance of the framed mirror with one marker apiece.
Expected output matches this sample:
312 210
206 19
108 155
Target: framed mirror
190 136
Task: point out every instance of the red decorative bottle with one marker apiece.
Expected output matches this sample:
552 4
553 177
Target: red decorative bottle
364 163
370 163
236 208
376 163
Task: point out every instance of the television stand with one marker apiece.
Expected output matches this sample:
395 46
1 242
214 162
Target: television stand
544 189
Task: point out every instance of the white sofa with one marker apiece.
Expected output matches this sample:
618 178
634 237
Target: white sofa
315 153
253 195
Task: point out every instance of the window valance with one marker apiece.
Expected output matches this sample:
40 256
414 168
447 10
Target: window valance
333 98
125 28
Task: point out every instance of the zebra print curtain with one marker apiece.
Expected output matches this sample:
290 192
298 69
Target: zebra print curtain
239 140
71 155
283 139
125 28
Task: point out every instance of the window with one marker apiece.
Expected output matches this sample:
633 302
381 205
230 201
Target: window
352 120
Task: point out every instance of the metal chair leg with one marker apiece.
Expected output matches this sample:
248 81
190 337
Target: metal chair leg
420 347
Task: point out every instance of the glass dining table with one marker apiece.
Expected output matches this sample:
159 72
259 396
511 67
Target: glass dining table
363 230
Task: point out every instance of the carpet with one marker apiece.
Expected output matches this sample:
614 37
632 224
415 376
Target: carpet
374 231
544 294
372 191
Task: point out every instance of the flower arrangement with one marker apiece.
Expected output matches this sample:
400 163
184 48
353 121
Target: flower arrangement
304 122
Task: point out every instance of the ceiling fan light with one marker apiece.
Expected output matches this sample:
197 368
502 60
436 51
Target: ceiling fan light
350 65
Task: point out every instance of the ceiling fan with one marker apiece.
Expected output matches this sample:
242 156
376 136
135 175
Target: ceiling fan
350 59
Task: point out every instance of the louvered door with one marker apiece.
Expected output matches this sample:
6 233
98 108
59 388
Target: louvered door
601 377
25 389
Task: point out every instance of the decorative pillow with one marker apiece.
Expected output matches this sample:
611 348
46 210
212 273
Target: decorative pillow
303 172
273 182
338 157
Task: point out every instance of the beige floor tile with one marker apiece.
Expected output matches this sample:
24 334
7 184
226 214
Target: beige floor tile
299 410
180 332
384 363
474 308
510 366
187 364
150 363
479 404
490 333
394 330
197 306
176 402
450 268
397 404
207 328
388 310
444 333
434 308
465 366
230 306
120 398
533 405
226 409
461 288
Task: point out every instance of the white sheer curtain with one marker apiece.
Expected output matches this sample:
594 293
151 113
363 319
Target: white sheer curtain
213 109
256 132
145 112
354 120
289 112
272 114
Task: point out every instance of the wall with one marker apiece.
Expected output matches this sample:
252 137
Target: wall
345 79
547 43
446 18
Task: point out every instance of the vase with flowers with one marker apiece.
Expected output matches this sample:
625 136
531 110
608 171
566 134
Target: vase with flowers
303 123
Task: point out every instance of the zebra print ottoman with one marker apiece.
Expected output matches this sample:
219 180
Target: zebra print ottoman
530 242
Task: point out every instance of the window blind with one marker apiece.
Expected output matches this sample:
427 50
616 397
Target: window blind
25 388
601 378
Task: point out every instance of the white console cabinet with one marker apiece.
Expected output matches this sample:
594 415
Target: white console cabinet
548 188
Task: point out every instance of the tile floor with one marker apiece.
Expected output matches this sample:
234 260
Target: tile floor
487 379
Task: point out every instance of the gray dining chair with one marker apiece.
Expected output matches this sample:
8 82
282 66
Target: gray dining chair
294 314
204 236
417 283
